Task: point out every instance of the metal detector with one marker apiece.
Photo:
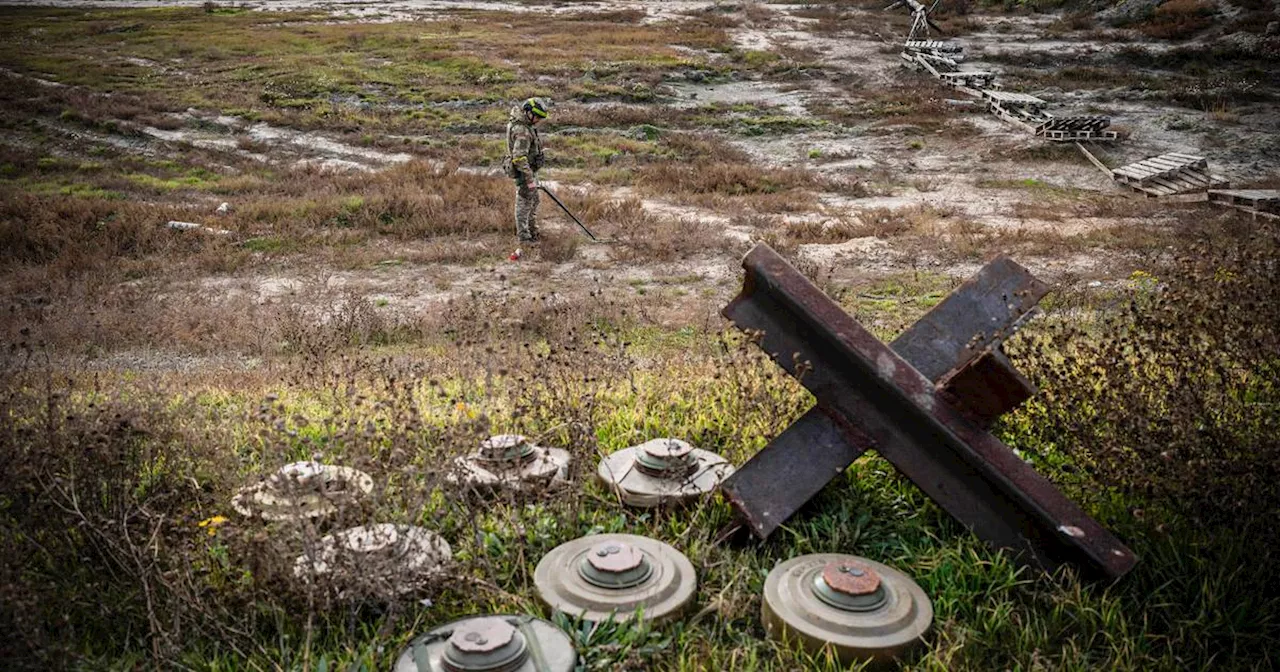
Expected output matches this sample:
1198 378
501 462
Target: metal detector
571 215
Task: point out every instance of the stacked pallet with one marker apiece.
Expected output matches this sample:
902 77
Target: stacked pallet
1065 129
1168 174
973 79
941 46
941 58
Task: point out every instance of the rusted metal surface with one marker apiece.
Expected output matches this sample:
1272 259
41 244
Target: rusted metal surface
882 401
851 578
978 315
788 472
986 388
971 321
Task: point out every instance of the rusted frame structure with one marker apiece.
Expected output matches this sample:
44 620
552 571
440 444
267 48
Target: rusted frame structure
922 403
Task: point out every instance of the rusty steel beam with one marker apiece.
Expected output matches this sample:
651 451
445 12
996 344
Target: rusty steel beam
977 316
986 388
876 399
956 339
794 467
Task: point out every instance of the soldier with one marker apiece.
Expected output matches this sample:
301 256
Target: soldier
524 158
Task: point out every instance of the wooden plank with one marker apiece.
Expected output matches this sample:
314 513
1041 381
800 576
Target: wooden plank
1140 171
1174 187
1198 179
1162 161
1167 163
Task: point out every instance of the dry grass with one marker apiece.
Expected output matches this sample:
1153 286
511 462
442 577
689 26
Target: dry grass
380 77
1179 19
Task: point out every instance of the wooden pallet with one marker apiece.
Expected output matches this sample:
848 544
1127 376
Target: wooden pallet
940 46
1066 129
919 62
1168 174
1014 115
1257 201
1010 99
975 79
1072 136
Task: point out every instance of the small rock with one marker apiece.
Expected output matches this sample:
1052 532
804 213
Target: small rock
192 226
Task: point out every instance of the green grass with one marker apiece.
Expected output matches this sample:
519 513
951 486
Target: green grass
1191 595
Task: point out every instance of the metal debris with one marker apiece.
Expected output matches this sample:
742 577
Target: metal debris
192 226
662 471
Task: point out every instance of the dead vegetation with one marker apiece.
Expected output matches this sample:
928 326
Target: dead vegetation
363 311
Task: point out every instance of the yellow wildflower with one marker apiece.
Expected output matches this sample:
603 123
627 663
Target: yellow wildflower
213 523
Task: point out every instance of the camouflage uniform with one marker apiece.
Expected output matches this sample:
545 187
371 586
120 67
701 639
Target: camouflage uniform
524 149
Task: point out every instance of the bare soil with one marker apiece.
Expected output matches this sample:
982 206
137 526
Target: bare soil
965 185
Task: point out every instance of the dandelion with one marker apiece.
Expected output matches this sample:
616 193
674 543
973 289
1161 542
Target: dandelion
212 524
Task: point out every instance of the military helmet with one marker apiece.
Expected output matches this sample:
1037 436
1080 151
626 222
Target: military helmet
536 107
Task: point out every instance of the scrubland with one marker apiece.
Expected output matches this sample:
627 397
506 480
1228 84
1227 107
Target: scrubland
354 304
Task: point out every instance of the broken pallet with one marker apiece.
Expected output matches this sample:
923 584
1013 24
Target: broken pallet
1009 99
1257 201
1168 175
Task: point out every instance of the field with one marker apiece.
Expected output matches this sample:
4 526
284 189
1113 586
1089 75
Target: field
354 302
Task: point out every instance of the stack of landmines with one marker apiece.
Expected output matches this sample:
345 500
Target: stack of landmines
942 58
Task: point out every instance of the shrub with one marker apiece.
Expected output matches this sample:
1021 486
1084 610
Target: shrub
1173 398
1179 19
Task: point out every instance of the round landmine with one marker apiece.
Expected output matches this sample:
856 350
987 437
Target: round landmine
606 575
491 644
860 609
510 461
382 558
663 471
302 490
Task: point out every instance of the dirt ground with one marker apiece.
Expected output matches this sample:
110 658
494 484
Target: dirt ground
966 180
